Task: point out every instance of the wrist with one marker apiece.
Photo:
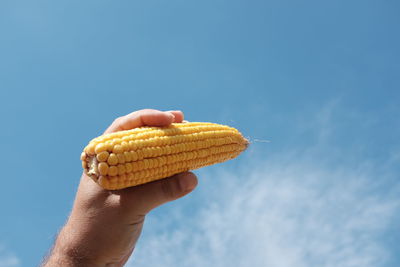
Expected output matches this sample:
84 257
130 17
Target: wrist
69 252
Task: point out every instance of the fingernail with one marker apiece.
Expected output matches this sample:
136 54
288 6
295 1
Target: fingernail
172 116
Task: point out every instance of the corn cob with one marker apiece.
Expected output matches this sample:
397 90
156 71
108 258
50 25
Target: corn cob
141 155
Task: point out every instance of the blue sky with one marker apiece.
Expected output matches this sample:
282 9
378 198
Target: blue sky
319 79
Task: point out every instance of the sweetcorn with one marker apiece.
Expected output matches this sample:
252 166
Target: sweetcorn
145 154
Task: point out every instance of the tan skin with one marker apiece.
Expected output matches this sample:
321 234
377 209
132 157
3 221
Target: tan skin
104 226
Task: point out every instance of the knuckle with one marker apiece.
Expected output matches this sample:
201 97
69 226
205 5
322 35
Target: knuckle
118 121
147 110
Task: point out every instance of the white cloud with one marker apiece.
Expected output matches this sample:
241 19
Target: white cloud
288 211
322 206
8 259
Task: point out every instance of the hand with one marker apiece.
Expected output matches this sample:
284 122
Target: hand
104 226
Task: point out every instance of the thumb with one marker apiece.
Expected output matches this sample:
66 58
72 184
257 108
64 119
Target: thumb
149 196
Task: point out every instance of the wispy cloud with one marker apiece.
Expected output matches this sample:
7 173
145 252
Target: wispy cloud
321 206
288 211
7 258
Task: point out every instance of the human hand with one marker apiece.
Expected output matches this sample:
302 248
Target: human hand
104 226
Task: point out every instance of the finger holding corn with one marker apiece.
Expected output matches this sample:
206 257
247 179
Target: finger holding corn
145 154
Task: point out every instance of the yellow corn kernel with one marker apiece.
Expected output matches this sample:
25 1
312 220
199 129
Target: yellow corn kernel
117 149
134 155
112 171
125 146
128 167
103 168
122 178
100 148
112 159
128 157
121 158
132 145
121 169
102 156
90 149
103 182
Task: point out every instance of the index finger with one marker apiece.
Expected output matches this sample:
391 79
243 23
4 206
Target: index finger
144 117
